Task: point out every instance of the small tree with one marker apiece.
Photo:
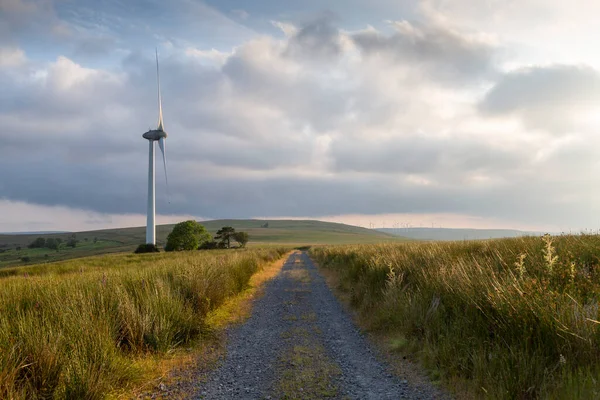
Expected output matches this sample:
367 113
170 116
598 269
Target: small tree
224 235
187 235
241 237
37 243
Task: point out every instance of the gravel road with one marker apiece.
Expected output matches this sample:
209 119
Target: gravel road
300 343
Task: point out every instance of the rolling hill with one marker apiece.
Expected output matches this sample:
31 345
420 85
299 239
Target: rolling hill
456 233
304 232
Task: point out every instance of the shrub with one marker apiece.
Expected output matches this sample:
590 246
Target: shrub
146 248
211 245
242 238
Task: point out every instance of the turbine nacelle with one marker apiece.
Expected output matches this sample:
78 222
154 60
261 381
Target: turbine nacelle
155 134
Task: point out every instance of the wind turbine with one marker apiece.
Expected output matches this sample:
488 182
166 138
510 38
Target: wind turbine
154 135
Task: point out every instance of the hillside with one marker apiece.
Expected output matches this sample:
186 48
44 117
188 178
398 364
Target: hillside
456 234
126 239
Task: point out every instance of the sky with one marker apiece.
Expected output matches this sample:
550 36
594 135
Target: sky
448 113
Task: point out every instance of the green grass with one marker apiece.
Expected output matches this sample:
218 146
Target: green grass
74 329
127 239
510 318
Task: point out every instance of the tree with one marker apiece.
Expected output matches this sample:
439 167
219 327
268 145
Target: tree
187 235
52 243
224 235
37 243
72 242
242 238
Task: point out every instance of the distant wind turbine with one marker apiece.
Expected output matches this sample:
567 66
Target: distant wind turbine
155 135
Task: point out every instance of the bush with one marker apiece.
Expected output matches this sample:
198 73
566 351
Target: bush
26 259
211 245
37 243
52 243
187 235
146 248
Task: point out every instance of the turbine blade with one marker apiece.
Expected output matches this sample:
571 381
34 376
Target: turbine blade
160 116
161 144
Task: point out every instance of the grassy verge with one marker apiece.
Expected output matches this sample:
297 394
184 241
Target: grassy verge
511 318
83 332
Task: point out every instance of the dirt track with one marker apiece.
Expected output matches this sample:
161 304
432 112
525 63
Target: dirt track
300 343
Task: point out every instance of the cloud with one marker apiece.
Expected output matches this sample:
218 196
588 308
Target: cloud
22 18
11 57
553 98
95 46
434 158
319 39
24 217
535 31
443 52
241 14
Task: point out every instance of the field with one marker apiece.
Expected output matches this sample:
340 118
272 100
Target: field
508 318
127 239
78 329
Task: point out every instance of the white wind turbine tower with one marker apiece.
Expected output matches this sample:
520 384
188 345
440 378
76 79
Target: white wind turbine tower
155 135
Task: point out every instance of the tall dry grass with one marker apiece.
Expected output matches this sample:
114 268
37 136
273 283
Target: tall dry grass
71 330
514 318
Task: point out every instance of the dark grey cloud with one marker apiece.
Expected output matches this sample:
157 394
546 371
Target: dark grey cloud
441 52
318 39
95 46
421 154
546 97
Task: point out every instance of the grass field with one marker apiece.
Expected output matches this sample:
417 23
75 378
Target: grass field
507 319
75 329
127 239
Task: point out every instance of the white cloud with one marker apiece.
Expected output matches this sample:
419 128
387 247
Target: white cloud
215 56
19 216
11 57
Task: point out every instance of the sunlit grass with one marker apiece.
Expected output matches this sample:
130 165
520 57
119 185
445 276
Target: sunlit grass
516 318
72 329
